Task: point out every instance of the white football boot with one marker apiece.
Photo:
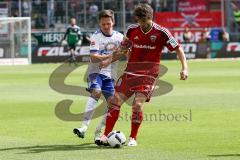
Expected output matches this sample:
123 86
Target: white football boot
132 142
80 132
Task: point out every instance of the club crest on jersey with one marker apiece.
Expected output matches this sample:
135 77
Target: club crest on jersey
153 38
111 46
136 38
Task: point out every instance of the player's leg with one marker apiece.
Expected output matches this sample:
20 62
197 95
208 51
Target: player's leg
71 50
122 93
108 92
73 56
98 130
112 115
95 89
137 117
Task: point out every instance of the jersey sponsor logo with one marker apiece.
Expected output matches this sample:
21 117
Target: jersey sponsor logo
144 46
172 42
153 38
233 47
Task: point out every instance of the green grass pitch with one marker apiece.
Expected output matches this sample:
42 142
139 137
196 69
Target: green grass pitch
209 100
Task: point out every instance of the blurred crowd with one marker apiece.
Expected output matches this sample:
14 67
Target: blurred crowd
55 14
46 14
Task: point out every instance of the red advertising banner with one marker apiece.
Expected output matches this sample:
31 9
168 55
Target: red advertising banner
193 20
192 6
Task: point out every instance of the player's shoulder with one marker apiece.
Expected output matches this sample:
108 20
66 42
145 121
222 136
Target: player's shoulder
73 27
97 32
97 35
162 29
131 27
76 26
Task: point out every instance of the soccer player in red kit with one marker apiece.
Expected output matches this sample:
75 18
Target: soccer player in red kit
148 40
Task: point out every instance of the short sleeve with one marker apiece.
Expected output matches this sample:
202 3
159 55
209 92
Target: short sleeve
129 29
170 41
120 38
94 44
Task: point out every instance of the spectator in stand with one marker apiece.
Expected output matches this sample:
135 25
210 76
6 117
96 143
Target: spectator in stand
164 6
59 12
187 35
236 13
204 44
156 5
205 36
39 21
93 14
15 14
223 35
25 8
129 8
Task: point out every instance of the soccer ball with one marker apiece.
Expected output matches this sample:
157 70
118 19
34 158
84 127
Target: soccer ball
116 139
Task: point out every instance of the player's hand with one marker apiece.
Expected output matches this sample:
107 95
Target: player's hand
79 43
184 74
126 44
63 42
105 63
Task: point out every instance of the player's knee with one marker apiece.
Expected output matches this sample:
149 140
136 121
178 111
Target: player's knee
115 100
137 106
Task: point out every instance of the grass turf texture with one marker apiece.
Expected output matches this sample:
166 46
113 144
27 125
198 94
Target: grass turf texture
29 129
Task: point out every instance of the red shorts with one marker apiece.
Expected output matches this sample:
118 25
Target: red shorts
128 84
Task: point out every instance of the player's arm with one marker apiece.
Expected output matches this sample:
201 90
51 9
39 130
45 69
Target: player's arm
80 38
95 57
122 51
115 56
65 35
173 45
182 58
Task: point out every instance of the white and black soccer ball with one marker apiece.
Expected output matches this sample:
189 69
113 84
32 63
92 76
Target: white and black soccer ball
116 139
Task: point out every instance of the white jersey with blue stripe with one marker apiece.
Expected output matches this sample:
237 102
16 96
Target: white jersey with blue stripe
103 44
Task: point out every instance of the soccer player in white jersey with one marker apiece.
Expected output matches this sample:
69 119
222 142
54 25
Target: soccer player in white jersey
104 42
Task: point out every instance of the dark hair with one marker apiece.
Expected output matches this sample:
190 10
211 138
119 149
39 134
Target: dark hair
143 10
106 13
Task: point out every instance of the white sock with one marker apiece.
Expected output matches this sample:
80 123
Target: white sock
102 123
89 110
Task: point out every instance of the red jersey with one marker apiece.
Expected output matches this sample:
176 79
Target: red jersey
147 48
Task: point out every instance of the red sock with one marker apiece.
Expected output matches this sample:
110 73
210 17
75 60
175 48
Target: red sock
112 117
137 118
